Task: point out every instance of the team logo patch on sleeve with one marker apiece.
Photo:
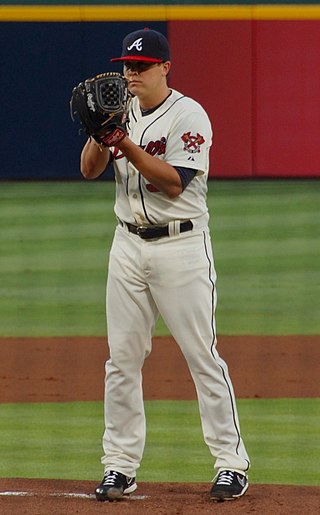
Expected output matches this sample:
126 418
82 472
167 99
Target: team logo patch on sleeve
192 143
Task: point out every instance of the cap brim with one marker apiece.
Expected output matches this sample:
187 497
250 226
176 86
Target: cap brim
136 58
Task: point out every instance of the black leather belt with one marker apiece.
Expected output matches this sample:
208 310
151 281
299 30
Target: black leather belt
148 233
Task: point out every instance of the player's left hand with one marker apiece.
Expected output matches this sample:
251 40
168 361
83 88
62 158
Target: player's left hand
102 106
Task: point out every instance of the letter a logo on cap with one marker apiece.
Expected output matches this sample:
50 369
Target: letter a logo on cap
137 43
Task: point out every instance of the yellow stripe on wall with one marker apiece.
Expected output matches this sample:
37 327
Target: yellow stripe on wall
286 12
95 13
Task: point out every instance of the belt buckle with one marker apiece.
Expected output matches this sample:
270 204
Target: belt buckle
141 231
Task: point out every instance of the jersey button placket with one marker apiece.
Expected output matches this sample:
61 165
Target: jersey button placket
133 192
135 204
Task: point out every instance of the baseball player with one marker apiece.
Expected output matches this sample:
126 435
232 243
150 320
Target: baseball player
161 261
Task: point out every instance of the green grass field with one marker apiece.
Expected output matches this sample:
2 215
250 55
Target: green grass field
55 239
62 441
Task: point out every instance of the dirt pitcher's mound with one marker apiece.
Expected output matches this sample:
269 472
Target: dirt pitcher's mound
41 497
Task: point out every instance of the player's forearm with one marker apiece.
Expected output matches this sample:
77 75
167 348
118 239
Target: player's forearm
93 160
159 173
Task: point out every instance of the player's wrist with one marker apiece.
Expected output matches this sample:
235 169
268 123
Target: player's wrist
113 138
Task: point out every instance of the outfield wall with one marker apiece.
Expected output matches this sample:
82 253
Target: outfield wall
255 68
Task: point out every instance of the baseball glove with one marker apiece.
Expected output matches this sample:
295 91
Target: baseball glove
102 106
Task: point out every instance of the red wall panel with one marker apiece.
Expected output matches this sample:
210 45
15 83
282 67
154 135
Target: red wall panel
286 104
212 62
260 83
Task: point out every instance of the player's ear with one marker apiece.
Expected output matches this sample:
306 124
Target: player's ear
166 67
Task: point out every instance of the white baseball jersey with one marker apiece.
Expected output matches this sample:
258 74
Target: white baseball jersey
180 133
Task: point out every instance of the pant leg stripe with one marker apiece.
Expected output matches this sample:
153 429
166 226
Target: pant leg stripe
214 341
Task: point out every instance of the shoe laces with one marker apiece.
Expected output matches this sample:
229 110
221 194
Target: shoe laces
110 478
225 477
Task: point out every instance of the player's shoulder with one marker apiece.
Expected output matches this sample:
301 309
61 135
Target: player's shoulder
184 102
185 107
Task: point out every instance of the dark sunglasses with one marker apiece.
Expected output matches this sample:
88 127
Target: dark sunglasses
138 66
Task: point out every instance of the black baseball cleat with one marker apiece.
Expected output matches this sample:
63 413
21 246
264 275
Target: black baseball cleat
228 486
114 486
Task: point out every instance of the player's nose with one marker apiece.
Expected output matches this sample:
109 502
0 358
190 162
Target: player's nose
130 73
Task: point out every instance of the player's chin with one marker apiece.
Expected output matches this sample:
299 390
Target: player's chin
134 87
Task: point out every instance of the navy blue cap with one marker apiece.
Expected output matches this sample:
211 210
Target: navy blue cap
145 45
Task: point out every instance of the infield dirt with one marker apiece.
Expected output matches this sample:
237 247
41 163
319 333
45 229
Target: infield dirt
52 370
